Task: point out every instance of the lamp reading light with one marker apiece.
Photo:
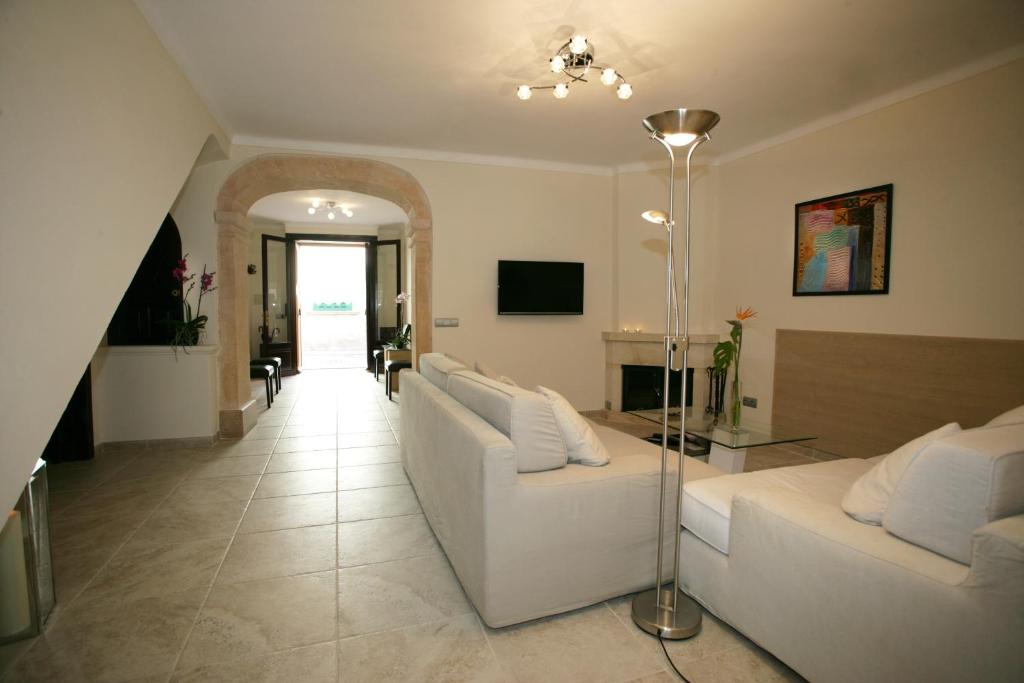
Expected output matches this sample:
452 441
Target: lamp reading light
655 216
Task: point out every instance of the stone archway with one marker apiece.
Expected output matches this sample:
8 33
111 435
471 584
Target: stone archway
272 173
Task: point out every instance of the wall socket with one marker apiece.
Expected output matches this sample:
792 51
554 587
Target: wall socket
750 401
446 322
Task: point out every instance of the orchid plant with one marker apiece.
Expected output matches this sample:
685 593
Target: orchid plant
727 353
188 332
401 341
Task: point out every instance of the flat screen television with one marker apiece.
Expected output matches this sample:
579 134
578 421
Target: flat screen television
540 288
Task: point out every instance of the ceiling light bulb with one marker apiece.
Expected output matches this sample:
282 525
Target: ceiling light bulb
311 211
680 139
557 64
524 92
561 90
578 45
330 215
316 203
347 212
625 91
608 76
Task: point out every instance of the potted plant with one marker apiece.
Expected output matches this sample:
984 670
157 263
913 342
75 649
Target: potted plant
727 353
189 332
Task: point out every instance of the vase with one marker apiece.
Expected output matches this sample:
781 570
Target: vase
737 405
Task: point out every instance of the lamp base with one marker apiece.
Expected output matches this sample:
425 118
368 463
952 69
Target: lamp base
683 623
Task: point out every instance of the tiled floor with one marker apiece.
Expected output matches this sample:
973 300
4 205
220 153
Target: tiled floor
300 554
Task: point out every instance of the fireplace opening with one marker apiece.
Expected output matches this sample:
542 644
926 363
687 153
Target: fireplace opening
642 387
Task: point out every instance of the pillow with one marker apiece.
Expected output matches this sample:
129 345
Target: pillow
487 371
436 367
1010 417
581 442
869 496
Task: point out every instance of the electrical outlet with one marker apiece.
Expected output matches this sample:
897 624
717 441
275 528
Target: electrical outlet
750 401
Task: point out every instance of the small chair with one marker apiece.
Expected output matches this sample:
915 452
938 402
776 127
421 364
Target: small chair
393 366
271 360
266 373
378 358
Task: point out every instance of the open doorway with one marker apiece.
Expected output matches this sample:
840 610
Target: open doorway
332 296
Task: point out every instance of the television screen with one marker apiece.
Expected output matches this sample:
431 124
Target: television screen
540 288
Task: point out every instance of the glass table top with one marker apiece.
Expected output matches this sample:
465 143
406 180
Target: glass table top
702 427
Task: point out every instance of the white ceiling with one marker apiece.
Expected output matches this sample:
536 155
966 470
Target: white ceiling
292 208
441 74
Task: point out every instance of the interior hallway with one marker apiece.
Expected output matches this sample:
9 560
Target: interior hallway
300 553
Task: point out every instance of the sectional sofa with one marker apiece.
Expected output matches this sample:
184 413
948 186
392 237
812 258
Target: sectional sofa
527 535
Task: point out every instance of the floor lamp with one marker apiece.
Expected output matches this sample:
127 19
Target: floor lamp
670 613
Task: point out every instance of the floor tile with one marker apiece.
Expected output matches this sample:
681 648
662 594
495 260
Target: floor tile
306 443
231 467
366 439
381 540
179 521
145 571
312 664
302 460
362 427
262 431
278 420
280 553
374 503
112 641
367 476
243 620
156 465
590 644
75 534
370 455
390 595
245 447
217 489
323 428
288 512
445 651
297 483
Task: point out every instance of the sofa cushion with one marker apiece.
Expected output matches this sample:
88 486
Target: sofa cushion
524 416
581 443
436 367
868 497
487 371
707 504
1010 417
957 485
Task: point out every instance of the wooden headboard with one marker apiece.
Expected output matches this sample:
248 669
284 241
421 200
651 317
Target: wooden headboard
866 394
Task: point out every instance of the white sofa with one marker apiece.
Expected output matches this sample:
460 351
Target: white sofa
527 544
934 594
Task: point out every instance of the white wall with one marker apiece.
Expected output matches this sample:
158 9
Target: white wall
144 393
97 117
483 214
956 159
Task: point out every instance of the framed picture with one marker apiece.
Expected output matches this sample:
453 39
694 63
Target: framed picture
842 244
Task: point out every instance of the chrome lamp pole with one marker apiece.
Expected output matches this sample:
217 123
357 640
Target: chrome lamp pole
668 612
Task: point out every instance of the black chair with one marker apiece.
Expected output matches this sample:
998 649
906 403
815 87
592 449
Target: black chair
390 367
266 373
378 358
270 360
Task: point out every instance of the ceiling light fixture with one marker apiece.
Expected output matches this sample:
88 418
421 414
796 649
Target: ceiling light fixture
332 209
574 60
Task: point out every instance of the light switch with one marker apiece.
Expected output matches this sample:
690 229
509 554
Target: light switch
446 322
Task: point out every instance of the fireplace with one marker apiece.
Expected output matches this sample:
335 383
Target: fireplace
642 387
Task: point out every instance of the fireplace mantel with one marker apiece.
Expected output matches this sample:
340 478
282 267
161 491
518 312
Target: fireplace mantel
646 348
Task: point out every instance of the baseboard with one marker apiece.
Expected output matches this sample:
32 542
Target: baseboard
237 423
156 444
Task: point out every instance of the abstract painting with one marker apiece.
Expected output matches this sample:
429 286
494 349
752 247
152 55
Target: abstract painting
842 243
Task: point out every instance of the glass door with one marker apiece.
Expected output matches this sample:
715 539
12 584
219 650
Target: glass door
276 331
388 285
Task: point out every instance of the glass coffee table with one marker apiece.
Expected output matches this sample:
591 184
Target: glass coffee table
727 447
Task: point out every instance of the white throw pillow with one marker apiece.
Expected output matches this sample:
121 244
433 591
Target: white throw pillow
868 498
1010 417
581 442
487 371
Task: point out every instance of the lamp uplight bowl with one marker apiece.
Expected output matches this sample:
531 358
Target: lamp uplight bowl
680 127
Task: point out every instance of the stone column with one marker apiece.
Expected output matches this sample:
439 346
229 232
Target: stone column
237 415
423 264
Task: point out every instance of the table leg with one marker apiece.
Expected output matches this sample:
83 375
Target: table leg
729 460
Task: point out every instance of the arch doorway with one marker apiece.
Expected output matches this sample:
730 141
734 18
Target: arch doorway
274 173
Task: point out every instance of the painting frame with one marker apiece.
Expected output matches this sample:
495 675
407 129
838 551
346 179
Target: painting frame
859 200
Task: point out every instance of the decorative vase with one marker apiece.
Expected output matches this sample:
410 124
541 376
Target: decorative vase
737 405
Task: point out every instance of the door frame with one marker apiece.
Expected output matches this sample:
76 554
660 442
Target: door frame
370 244
398 278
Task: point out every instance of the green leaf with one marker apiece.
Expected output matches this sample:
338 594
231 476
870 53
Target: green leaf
723 354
